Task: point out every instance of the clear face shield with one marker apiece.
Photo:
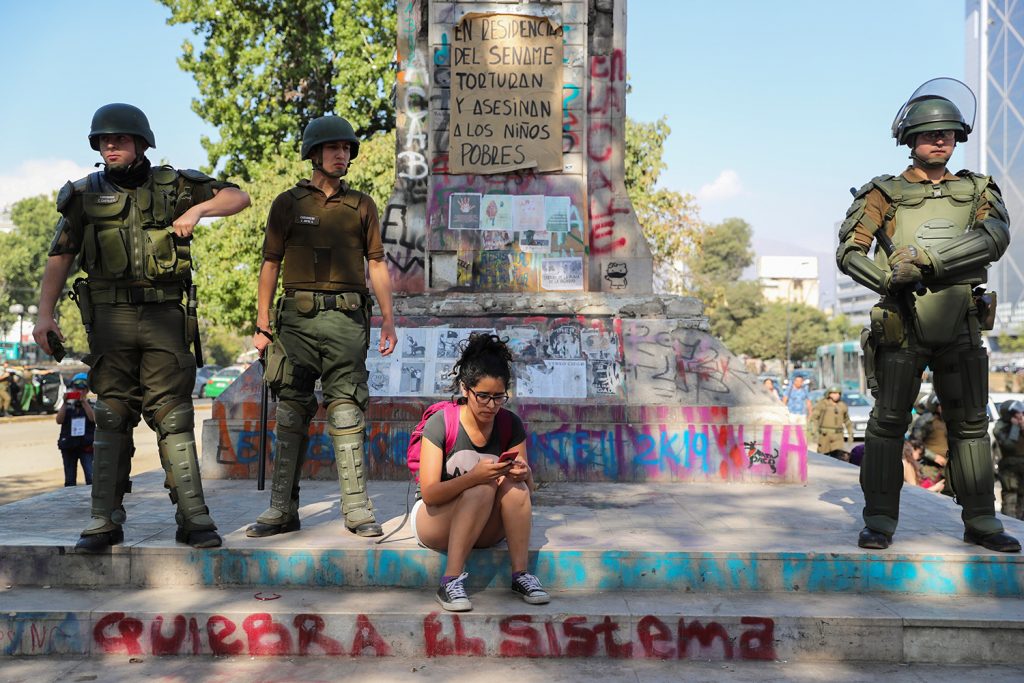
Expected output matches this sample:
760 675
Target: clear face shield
945 88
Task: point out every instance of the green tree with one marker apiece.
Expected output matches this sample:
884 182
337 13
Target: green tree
725 252
266 68
670 221
229 251
764 335
23 254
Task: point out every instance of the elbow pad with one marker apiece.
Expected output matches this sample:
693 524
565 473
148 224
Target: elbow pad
973 250
862 269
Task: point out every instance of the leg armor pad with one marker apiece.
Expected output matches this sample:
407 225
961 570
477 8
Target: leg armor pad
346 425
973 482
961 383
112 448
881 472
177 443
291 438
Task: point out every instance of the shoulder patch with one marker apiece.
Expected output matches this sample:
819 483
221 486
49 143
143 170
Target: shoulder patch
884 184
64 196
864 189
298 192
164 175
352 198
195 176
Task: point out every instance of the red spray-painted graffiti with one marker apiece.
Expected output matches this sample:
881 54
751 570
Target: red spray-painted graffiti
260 635
441 634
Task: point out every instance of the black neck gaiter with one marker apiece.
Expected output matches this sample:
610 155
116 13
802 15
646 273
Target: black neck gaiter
132 177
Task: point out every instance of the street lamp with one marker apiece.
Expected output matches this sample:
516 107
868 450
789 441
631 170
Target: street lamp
795 283
18 310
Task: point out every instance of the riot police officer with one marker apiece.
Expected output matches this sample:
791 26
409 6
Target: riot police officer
319 233
937 231
1008 435
828 418
131 223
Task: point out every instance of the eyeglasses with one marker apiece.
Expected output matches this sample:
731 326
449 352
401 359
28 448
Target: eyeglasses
485 399
934 135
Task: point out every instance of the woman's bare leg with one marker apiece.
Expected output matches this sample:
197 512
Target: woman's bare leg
456 526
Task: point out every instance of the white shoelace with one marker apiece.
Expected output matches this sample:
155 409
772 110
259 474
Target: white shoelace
454 588
530 582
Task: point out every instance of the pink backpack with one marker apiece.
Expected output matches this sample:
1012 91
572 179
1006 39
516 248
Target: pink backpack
451 431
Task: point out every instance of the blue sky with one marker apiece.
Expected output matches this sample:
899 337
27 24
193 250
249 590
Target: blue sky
776 108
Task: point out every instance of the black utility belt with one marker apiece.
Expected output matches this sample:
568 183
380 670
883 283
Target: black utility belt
135 295
306 302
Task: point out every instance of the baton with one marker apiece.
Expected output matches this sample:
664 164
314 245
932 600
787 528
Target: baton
261 467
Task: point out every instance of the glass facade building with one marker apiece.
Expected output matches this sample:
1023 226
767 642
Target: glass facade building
995 72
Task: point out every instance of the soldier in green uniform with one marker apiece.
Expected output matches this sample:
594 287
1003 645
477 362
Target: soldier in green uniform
131 224
5 391
319 233
930 430
944 230
828 418
1008 436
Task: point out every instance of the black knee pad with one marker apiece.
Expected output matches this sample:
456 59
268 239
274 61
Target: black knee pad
961 383
112 416
899 380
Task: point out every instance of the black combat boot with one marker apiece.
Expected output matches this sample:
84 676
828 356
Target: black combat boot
261 530
874 540
97 543
1000 541
205 538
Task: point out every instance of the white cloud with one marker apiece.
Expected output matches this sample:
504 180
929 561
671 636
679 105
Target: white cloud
726 186
38 176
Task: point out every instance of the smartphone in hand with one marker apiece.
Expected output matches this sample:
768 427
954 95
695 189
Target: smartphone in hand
508 456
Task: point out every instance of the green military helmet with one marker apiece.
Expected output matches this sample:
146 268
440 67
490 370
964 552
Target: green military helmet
120 118
938 104
834 389
328 129
931 113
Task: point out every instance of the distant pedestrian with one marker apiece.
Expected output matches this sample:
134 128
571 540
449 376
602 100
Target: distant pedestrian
798 398
5 390
77 428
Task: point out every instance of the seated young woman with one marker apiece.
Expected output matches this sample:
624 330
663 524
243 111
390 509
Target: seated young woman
470 498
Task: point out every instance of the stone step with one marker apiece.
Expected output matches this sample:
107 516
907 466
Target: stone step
617 624
703 538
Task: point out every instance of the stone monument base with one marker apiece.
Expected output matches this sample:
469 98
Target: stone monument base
611 388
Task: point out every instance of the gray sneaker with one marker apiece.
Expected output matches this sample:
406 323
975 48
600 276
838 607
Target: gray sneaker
452 595
528 586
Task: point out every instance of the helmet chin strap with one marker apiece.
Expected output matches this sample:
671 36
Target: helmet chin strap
930 163
317 159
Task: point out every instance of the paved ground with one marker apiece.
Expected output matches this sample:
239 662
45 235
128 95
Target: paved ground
30 463
820 517
115 669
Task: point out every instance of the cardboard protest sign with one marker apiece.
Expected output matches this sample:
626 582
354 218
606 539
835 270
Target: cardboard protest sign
506 94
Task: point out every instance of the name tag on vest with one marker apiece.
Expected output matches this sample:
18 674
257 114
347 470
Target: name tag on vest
106 199
308 220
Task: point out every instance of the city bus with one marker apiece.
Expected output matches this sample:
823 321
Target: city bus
842 363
